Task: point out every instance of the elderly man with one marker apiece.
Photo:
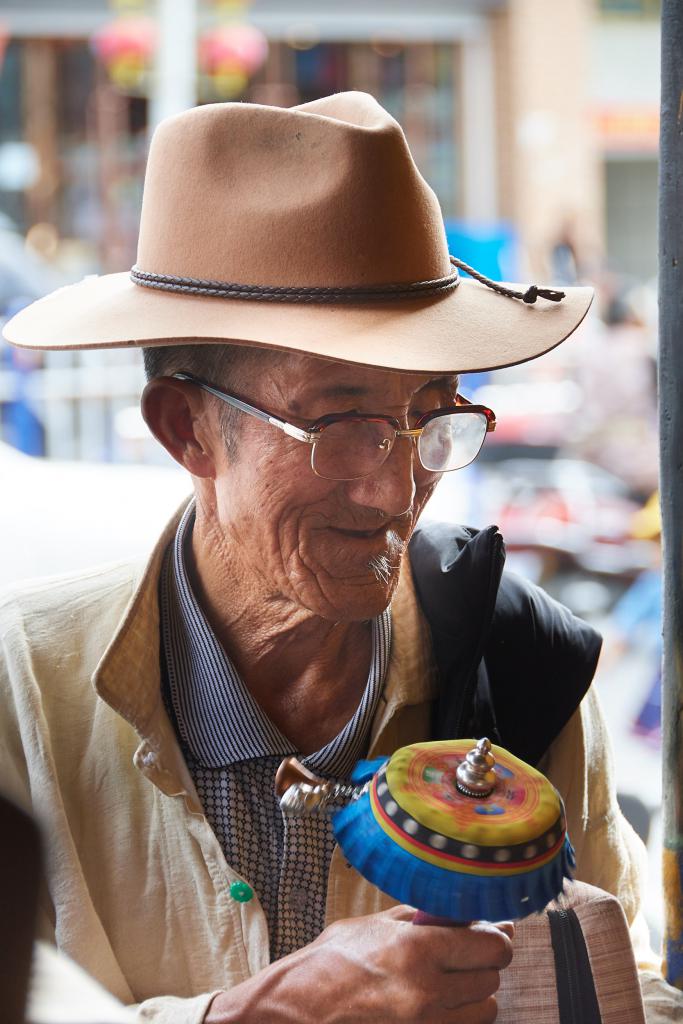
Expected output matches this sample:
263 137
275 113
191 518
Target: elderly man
302 326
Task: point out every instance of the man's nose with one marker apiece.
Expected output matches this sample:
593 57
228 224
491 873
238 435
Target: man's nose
391 488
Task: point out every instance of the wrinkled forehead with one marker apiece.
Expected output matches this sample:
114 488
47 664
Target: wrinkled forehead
304 379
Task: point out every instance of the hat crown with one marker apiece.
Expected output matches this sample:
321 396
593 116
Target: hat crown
324 194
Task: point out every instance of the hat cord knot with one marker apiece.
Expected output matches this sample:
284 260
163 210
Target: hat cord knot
529 296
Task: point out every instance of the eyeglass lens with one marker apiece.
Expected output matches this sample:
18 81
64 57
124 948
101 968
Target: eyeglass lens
350 449
451 442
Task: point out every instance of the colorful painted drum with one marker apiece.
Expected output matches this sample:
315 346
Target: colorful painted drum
418 837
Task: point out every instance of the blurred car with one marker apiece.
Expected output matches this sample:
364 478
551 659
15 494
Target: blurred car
61 516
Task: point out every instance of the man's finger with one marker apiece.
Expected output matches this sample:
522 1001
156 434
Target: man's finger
484 1012
469 947
464 987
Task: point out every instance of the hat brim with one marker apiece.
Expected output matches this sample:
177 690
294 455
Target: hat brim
467 329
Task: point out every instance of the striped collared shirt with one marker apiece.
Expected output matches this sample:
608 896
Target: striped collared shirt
233 751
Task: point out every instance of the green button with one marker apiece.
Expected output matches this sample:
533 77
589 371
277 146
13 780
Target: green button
241 892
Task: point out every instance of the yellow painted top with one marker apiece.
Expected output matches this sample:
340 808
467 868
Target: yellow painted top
522 806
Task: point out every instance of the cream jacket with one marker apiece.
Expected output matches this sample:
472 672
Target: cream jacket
137 889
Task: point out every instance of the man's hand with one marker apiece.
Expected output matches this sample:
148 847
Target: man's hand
380 969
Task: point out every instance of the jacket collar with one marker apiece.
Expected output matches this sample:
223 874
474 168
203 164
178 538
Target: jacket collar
128 676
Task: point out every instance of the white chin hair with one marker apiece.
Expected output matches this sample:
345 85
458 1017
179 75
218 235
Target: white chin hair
382 568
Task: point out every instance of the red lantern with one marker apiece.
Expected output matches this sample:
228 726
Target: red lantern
229 54
125 46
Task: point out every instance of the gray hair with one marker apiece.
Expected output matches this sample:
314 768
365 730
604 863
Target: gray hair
227 366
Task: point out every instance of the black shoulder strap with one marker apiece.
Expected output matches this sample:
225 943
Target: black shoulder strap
511 660
457 572
577 1000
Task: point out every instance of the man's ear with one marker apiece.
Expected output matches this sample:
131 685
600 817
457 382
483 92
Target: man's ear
177 415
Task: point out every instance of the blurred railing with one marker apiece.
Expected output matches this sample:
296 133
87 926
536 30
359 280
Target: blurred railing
70 405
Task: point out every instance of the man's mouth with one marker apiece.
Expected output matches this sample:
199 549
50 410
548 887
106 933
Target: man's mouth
362 534
380 549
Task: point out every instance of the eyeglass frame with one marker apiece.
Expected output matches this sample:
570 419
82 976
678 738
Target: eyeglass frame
314 433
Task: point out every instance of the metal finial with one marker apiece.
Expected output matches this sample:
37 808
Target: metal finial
302 793
475 775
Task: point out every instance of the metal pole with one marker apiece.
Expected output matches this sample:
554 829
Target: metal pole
174 84
671 467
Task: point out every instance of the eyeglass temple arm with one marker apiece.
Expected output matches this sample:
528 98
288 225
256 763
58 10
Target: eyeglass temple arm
251 410
490 415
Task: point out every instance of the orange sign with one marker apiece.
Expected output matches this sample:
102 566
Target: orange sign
628 129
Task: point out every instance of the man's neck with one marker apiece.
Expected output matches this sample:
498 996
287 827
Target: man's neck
307 673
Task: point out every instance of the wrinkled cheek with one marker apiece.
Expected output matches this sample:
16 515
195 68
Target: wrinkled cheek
257 516
307 554
311 554
289 547
278 536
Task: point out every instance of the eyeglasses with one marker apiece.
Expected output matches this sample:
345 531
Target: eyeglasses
349 446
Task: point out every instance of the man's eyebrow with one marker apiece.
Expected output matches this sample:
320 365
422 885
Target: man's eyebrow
350 390
343 391
330 392
360 390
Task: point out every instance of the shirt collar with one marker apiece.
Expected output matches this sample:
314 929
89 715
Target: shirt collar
217 718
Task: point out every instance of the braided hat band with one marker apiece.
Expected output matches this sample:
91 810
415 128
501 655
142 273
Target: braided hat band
372 293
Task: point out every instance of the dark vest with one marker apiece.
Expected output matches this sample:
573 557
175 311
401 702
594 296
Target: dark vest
513 663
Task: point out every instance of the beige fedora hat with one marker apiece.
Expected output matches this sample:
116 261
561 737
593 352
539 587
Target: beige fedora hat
307 228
